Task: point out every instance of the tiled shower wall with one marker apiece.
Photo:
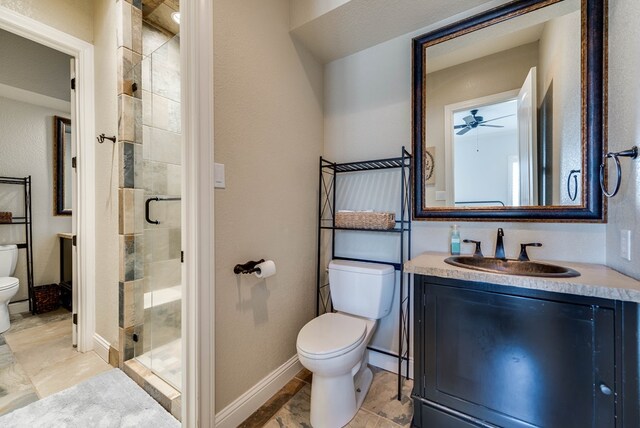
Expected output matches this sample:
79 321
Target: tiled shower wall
131 186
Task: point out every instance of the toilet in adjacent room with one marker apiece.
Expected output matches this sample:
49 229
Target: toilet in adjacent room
333 346
8 284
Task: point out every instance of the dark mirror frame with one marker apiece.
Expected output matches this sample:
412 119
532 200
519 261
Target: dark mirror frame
58 166
594 114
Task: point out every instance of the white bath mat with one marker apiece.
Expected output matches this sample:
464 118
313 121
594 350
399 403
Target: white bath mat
108 400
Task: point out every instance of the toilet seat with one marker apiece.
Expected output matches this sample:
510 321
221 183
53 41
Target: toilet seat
8 282
330 335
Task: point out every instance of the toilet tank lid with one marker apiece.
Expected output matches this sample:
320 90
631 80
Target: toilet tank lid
361 267
8 247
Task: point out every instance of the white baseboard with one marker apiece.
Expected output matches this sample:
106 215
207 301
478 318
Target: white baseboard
388 362
101 347
18 307
235 413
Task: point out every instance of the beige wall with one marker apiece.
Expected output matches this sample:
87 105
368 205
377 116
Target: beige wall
268 133
474 79
303 11
26 147
74 17
107 168
624 131
560 64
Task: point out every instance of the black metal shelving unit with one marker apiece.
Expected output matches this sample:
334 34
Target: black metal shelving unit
326 223
26 221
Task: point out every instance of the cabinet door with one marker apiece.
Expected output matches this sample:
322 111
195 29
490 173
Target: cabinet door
517 361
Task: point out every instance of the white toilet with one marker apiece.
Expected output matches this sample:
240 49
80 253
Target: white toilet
8 284
333 345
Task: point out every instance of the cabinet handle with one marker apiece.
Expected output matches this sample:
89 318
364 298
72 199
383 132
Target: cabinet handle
605 389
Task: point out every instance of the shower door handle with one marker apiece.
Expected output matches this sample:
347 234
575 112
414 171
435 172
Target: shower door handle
147 208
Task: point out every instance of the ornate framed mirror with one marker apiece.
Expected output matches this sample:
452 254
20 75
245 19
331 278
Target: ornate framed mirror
509 114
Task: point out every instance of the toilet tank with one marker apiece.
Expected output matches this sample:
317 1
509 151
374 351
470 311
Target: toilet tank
8 260
362 289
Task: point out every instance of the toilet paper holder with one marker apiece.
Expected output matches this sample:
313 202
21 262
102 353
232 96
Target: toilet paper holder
247 268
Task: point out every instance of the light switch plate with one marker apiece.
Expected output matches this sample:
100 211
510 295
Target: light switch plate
218 176
625 244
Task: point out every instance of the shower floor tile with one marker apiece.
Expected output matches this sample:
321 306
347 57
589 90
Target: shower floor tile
166 362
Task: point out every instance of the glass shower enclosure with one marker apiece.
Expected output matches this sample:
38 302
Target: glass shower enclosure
161 170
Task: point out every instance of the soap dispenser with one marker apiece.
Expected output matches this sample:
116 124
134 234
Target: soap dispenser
455 240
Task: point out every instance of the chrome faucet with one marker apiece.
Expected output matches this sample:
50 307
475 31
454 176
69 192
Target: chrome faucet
500 245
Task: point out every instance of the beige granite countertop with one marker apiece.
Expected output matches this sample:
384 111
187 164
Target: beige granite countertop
65 235
594 280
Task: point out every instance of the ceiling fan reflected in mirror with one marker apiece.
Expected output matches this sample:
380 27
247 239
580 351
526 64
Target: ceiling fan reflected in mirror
473 121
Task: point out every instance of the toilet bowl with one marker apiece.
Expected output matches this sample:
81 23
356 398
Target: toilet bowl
8 289
8 284
334 345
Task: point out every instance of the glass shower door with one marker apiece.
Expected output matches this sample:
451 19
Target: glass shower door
162 159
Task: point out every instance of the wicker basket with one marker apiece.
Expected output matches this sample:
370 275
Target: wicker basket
5 217
365 220
47 298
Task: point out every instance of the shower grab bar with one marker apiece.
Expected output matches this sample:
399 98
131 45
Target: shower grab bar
147 207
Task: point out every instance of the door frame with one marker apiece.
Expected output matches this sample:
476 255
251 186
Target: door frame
198 289
449 109
84 128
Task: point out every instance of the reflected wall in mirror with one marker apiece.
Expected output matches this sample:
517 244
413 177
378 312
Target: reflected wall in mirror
62 166
513 102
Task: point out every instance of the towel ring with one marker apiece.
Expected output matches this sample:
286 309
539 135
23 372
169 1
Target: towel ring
574 173
631 153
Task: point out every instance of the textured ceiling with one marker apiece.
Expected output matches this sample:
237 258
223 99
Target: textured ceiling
359 24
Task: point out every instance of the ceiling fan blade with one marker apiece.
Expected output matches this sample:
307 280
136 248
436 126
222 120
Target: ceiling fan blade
469 119
464 131
460 126
497 118
492 126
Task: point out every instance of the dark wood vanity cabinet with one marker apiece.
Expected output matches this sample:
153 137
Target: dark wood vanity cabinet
491 355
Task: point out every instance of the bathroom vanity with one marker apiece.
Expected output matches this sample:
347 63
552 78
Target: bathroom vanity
516 351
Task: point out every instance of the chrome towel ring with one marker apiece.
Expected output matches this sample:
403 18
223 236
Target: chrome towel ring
631 153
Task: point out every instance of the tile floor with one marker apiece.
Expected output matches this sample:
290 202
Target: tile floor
291 405
37 359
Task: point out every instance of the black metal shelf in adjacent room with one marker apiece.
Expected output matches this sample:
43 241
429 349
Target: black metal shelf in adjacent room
326 222
26 221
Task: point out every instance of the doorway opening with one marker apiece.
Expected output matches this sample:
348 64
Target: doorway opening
46 106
